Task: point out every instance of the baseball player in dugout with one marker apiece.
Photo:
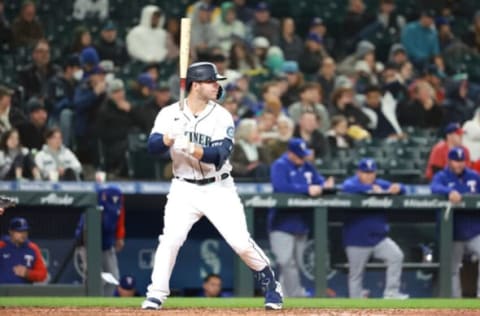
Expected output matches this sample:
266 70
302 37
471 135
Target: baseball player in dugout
200 138
455 181
20 259
365 233
289 228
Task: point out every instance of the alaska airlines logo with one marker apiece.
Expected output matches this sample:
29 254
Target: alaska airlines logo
54 199
302 202
377 202
424 203
258 201
200 139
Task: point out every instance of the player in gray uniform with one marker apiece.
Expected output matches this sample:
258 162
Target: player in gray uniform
200 139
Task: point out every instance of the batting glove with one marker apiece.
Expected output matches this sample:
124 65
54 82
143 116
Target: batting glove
182 143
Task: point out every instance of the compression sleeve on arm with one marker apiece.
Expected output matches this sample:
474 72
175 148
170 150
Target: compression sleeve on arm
156 144
218 152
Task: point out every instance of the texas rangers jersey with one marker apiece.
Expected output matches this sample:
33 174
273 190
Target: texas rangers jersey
206 129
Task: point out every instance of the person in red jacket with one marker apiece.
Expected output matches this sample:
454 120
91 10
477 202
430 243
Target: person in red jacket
20 258
438 156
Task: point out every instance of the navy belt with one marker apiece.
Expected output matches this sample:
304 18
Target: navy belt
204 181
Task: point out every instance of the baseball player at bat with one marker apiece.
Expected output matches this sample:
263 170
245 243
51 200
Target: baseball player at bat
455 181
365 233
200 139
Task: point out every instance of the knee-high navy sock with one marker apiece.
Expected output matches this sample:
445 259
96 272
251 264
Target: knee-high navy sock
266 279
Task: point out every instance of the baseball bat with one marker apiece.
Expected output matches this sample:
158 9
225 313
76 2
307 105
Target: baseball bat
185 28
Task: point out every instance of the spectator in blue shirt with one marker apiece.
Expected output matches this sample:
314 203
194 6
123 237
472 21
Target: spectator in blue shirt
365 233
420 39
455 181
288 228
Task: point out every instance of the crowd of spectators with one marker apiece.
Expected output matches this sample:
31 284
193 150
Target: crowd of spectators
331 88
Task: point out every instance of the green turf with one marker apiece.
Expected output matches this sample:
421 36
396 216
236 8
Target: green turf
179 302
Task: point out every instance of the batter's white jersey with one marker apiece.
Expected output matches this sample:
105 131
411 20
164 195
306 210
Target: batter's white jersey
214 123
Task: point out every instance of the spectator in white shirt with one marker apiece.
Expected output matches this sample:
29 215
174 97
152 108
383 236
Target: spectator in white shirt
55 161
147 42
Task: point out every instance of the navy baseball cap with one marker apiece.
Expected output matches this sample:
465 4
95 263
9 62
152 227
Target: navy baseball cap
89 56
127 282
457 154
367 165
18 224
315 37
262 6
453 128
146 80
299 147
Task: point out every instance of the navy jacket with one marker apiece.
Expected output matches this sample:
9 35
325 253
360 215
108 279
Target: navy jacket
466 224
28 254
364 228
288 178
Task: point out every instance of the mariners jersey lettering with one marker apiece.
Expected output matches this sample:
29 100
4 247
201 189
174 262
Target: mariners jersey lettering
206 129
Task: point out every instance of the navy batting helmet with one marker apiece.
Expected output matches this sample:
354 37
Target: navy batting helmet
202 71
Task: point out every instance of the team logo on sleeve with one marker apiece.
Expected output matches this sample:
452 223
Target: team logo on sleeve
230 131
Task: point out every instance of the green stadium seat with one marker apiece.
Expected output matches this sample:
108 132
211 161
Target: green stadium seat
141 164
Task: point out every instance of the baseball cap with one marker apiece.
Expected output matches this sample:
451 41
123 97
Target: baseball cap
162 86
35 104
457 154
115 85
107 65
315 37
127 282
89 55
109 26
316 21
18 224
5 91
260 42
290 67
262 6
298 147
146 80
453 128
71 61
367 165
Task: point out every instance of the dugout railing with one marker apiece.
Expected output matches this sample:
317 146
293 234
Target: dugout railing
243 282
322 205
87 202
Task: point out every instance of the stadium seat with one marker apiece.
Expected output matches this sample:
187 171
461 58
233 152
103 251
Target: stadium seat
141 164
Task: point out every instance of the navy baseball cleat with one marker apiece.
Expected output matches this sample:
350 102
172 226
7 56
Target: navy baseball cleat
274 298
151 303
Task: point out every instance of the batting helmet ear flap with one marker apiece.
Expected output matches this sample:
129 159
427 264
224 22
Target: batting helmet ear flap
221 92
